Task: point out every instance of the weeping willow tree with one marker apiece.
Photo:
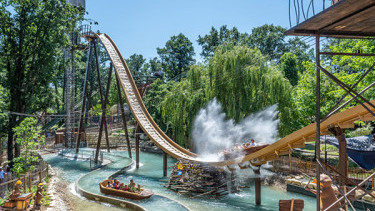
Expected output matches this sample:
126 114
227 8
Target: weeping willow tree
180 106
242 81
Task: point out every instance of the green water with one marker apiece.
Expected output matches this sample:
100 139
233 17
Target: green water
150 175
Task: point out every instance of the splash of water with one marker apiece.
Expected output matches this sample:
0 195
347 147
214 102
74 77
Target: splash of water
213 132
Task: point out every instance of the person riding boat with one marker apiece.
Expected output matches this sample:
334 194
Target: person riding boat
117 185
132 186
109 185
253 144
236 148
126 188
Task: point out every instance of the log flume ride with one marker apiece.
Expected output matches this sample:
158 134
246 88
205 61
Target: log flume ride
145 194
297 139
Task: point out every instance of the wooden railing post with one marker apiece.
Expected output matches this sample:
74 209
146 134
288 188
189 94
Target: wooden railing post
24 183
30 176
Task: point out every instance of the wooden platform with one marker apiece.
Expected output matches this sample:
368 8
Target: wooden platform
345 19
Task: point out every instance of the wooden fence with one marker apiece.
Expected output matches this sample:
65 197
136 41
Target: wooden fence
291 165
36 176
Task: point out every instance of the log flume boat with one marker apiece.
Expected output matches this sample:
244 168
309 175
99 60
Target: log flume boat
243 152
144 194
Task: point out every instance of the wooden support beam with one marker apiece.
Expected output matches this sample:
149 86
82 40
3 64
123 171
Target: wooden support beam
137 147
80 127
257 186
106 101
339 133
165 163
103 106
123 117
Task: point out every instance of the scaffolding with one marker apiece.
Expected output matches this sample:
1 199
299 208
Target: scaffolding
346 19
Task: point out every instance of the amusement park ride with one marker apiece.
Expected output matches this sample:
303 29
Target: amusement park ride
346 19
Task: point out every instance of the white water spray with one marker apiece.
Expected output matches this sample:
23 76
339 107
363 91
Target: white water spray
213 132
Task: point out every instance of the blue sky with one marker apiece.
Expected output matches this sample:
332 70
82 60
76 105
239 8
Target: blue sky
140 26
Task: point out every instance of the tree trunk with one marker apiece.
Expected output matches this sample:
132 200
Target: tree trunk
57 97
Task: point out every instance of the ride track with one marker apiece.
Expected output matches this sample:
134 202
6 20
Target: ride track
297 139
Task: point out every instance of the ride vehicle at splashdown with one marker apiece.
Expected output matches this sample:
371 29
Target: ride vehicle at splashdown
125 191
241 150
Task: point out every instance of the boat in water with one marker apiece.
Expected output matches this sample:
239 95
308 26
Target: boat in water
143 194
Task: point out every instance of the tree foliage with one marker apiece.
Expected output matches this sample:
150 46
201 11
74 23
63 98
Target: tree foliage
242 81
219 37
176 56
136 64
28 137
31 32
288 66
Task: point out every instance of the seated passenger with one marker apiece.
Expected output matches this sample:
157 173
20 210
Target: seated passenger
243 146
236 148
132 186
117 185
109 185
126 188
114 183
247 145
253 144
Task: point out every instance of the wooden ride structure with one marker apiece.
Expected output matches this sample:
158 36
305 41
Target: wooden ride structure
144 194
284 146
345 19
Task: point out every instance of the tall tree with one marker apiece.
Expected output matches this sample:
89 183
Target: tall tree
288 66
177 56
136 64
31 33
269 39
216 37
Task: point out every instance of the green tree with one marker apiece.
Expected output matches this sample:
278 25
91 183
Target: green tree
182 103
136 64
176 56
31 32
242 81
28 137
219 37
269 39
154 98
288 66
